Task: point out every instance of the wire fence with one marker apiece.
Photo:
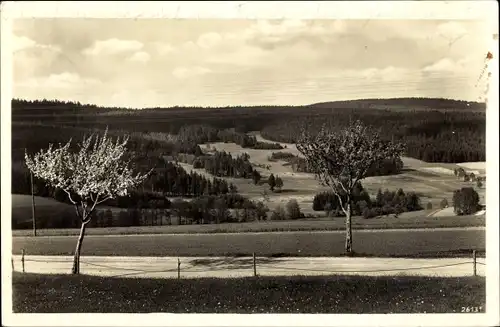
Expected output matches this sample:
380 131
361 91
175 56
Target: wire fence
126 271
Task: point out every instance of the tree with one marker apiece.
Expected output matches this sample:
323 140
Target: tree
465 201
96 172
261 211
265 196
479 183
256 177
222 213
293 209
444 203
272 182
341 159
278 213
278 183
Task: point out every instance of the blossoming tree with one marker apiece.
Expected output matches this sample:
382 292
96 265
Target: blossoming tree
96 172
339 160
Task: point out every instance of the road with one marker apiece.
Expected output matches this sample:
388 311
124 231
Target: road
226 267
381 243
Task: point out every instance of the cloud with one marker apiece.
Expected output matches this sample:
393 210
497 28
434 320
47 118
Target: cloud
20 43
187 72
59 81
209 40
140 56
163 48
113 47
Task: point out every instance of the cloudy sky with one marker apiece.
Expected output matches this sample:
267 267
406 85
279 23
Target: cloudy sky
166 62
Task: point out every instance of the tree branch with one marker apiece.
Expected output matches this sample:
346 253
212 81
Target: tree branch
103 200
69 195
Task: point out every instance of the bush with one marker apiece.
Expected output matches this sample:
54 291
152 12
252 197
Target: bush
278 214
429 206
479 183
367 213
443 204
293 209
465 201
328 209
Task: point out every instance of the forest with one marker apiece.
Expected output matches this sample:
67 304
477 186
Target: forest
434 130
382 168
385 203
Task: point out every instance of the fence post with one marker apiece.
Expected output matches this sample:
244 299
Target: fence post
22 259
254 266
474 262
178 268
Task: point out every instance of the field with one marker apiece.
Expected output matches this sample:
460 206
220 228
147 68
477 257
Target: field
440 242
330 294
47 209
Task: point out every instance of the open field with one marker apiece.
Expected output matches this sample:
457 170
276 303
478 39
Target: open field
312 224
35 293
439 242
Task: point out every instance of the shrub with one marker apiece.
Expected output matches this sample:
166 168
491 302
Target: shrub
443 204
429 206
328 209
465 201
278 214
367 213
479 183
398 209
293 209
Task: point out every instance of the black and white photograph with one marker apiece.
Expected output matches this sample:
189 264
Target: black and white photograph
243 160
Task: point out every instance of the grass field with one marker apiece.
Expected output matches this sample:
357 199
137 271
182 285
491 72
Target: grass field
388 243
332 294
326 224
47 209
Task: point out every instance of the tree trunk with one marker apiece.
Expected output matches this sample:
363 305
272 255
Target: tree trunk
76 258
348 229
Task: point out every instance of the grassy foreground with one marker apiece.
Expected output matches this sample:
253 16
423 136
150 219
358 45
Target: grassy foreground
331 294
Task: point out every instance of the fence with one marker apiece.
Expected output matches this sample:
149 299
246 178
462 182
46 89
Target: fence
246 269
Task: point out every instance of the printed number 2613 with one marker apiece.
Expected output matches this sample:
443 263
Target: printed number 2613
471 309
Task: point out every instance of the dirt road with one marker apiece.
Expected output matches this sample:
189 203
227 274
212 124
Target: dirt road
226 267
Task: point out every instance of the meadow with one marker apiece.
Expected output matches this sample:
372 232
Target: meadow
298 294
431 243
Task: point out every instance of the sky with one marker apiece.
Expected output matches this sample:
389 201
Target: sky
139 63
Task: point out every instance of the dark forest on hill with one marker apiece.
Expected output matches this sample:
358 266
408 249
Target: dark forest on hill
434 130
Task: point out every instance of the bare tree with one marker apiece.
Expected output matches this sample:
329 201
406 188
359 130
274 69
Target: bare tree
340 159
93 174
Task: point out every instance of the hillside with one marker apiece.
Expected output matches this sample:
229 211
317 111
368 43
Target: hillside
404 104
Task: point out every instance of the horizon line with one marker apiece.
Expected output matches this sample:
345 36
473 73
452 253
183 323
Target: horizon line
241 105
